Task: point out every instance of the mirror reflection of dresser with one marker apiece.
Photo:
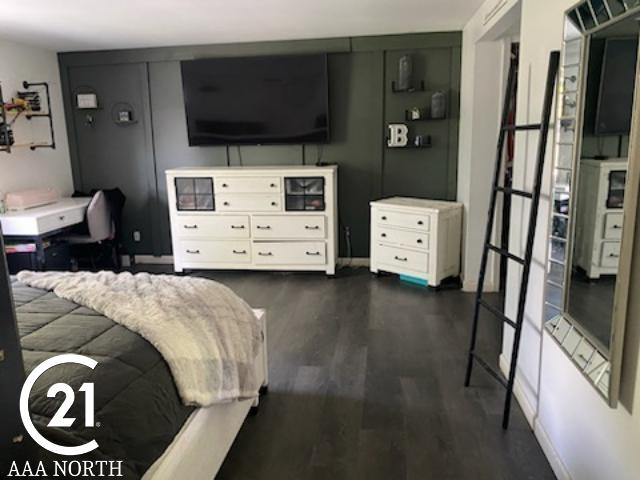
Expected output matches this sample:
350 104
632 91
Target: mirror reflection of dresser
594 191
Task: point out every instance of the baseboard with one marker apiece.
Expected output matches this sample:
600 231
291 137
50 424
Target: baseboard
472 286
558 467
168 260
354 262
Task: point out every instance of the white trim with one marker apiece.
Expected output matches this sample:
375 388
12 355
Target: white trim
530 414
168 260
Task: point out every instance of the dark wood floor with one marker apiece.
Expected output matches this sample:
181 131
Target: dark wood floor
367 383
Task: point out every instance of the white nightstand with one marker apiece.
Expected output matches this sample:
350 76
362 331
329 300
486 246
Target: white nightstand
416 237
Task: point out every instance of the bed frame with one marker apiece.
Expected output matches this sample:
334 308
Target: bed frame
202 444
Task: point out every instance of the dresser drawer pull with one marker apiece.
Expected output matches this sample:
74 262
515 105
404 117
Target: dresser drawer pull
383 235
240 252
191 227
383 218
267 254
312 227
274 204
313 254
263 227
226 204
400 259
614 255
273 185
194 252
61 218
238 227
419 241
420 222
224 185
617 227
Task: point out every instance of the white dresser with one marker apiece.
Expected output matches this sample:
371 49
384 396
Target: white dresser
416 237
255 218
599 216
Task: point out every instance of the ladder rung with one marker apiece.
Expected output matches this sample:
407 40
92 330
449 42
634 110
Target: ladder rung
489 369
497 313
504 253
513 191
518 128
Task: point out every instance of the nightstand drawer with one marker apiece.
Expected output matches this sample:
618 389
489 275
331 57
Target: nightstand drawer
610 254
404 238
405 220
247 184
613 226
221 226
211 251
289 253
287 227
404 259
248 202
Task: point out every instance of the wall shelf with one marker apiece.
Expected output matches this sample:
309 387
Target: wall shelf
6 132
414 89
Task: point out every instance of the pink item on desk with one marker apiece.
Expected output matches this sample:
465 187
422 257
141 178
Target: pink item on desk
31 198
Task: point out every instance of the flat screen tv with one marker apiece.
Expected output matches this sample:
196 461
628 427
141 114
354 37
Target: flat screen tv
256 100
617 83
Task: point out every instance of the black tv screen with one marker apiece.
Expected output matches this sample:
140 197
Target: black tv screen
256 100
617 84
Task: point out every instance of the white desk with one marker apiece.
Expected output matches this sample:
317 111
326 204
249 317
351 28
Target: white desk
36 224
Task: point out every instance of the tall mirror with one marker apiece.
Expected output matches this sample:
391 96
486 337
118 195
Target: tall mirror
586 287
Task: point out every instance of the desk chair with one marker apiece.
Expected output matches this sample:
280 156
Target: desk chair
101 230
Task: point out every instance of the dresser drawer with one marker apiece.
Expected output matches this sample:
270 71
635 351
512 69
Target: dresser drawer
55 221
613 226
610 254
287 226
247 184
289 253
248 203
404 238
403 259
221 226
405 220
212 251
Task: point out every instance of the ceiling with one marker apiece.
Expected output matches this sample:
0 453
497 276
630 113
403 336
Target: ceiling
65 25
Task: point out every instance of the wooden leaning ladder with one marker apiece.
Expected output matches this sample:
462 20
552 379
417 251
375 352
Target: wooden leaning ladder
534 196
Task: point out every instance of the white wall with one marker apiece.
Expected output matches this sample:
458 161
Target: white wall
484 54
583 438
45 167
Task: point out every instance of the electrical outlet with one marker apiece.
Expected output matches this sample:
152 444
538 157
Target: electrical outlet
136 236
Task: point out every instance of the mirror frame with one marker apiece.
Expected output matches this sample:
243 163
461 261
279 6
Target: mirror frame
600 366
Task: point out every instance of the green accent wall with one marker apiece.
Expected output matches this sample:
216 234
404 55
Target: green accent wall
361 70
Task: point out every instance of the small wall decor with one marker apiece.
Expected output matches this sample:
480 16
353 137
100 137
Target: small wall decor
438 105
122 114
405 72
87 101
398 135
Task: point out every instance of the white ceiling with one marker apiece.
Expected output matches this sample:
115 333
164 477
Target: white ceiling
65 25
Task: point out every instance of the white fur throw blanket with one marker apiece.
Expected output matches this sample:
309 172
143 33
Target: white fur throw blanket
208 335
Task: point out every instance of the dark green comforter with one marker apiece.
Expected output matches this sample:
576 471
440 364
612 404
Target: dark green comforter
136 402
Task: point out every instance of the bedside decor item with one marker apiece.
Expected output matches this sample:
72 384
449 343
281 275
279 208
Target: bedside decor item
398 135
438 106
416 238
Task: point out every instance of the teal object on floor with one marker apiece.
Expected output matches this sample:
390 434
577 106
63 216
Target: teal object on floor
416 281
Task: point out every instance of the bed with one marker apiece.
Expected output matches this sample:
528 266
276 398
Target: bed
141 417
